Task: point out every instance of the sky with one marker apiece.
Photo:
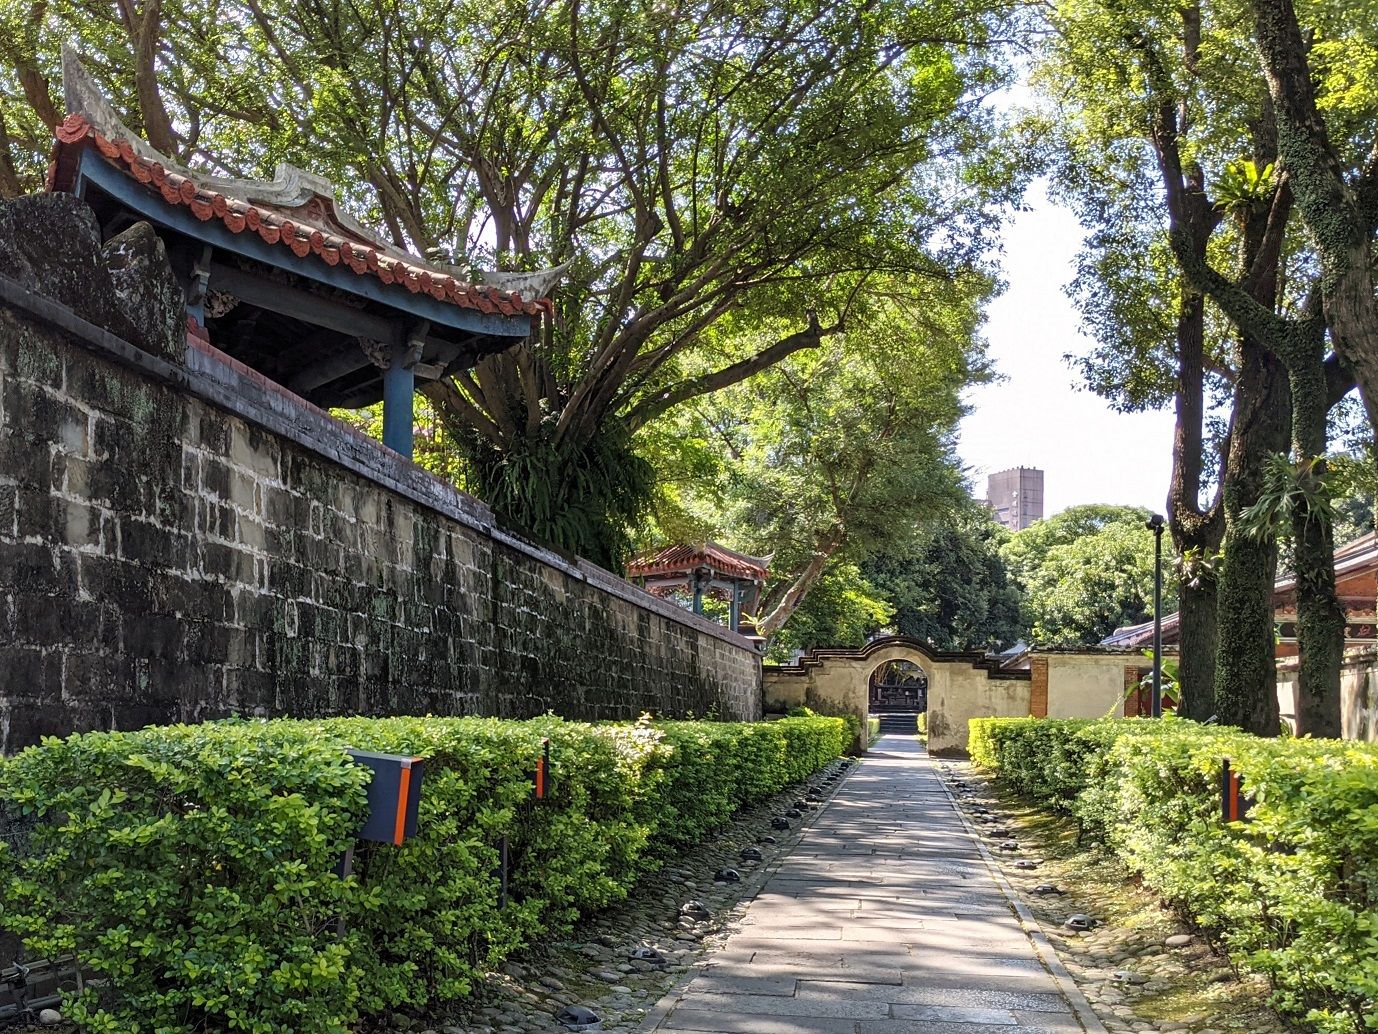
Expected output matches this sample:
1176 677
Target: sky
1037 414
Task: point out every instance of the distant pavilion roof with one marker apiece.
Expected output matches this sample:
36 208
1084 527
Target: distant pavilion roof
705 569
681 559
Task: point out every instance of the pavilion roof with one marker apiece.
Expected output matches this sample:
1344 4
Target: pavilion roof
295 211
684 558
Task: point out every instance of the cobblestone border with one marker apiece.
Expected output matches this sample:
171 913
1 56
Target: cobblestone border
658 1012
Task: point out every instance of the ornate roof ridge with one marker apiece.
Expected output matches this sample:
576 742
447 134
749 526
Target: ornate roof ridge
676 557
296 209
303 234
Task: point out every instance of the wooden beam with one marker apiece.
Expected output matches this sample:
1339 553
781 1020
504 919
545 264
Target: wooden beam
303 305
363 396
329 369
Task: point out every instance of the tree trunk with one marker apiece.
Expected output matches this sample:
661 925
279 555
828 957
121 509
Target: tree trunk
1197 645
1328 204
1246 667
1195 533
1320 619
802 583
1352 315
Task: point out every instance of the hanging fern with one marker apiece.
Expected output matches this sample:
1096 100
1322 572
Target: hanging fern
581 497
1291 489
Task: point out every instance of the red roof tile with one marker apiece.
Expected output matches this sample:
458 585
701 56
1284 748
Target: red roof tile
302 235
684 558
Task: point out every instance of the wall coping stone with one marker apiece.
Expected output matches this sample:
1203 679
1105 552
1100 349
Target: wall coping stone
227 384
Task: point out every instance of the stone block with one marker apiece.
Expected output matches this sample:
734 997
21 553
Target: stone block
51 242
146 291
116 582
30 673
157 637
226 570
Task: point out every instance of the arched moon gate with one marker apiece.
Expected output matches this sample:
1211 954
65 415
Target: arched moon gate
955 686
897 687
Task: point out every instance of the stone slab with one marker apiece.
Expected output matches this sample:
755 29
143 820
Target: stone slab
958 997
885 920
727 1023
775 1005
714 983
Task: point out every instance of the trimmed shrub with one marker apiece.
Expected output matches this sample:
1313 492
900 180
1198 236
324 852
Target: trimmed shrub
1291 893
192 869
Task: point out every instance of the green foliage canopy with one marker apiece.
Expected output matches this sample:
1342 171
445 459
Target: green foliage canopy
840 451
950 586
693 162
1085 572
842 609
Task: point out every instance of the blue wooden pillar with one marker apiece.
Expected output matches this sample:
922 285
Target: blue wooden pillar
399 396
198 283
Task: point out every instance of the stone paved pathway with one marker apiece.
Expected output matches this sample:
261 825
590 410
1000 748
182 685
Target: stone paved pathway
884 920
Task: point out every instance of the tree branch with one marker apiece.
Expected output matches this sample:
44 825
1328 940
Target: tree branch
1339 381
650 408
1250 316
450 401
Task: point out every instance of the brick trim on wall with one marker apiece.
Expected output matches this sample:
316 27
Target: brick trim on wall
1131 691
1038 687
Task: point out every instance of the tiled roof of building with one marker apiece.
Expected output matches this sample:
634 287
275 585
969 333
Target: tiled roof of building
1355 558
312 229
683 558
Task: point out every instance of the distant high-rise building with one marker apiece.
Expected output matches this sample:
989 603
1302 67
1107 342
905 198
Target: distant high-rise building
1016 496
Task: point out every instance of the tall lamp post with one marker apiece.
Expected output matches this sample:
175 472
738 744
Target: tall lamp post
1155 525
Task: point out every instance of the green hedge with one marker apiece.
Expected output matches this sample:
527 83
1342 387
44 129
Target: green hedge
1293 893
191 868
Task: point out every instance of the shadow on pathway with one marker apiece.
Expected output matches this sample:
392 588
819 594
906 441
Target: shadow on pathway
885 919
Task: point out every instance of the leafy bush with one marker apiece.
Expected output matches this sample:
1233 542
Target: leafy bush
192 869
1291 893
853 721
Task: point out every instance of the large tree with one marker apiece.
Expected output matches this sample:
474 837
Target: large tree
688 160
1177 111
836 453
949 585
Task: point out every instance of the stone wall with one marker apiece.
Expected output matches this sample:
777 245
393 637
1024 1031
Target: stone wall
180 540
1358 694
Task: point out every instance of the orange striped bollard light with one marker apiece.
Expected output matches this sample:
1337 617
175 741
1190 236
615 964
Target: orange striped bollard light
394 794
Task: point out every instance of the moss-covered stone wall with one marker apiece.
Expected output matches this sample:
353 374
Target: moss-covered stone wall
180 541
